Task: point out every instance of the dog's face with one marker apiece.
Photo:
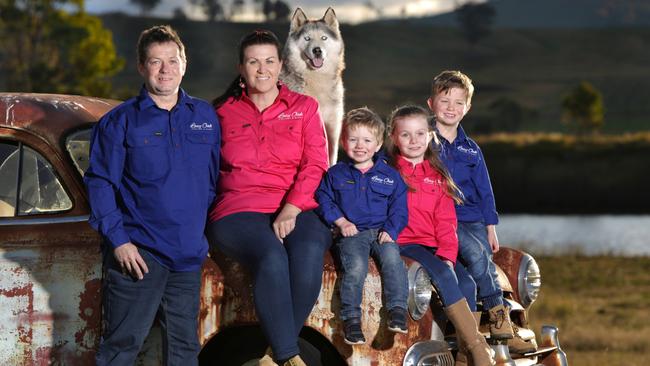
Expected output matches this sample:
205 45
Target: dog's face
318 42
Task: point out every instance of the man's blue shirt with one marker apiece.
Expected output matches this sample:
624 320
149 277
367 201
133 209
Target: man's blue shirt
374 200
152 177
466 164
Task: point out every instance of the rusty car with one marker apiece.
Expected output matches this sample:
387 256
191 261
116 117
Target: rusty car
50 270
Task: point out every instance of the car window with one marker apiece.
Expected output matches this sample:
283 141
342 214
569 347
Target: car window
78 146
40 190
8 177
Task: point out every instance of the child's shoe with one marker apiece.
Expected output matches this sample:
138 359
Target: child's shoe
353 332
500 324
397 320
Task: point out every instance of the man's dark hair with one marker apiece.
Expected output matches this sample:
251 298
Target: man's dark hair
158 34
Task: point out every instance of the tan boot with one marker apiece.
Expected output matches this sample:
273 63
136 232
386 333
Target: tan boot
467 331
266 361
294 361
519 345
500 324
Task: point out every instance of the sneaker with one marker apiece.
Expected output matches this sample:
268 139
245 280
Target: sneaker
397 320
500 324
353 332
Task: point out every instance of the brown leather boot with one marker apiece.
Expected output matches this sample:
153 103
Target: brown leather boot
500 324
467 331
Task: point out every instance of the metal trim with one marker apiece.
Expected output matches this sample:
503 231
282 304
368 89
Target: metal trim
26 220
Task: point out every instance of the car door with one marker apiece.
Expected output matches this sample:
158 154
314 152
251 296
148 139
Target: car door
50 270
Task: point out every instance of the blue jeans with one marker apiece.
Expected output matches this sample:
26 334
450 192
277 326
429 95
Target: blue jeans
286 277
353 253
130 307
475 253
452 286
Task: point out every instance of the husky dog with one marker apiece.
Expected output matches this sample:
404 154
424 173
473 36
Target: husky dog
313 65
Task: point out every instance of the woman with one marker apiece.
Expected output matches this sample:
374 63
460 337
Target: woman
273 156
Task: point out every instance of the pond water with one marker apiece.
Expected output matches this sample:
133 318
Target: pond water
626 235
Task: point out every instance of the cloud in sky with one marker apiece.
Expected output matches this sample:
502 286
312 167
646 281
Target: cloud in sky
351 11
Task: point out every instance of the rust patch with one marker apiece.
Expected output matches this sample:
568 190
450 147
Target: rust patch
90 312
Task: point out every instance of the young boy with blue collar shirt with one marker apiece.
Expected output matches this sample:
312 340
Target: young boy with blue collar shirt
477 216
366 199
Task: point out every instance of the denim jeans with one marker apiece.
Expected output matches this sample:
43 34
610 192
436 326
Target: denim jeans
453 285
353 252
286 277
130 307
475 253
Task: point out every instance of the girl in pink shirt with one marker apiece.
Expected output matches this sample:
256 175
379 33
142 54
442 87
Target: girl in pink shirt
430 235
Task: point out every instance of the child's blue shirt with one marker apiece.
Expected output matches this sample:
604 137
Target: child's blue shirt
372 200
465 162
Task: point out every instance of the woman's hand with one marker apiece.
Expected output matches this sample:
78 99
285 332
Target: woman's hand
286 221
347 228
449 263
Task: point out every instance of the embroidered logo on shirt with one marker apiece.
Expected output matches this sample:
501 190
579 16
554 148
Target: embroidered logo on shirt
201 126
467 150
387 181
428 180
287 116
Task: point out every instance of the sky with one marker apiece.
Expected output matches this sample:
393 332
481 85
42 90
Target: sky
347 11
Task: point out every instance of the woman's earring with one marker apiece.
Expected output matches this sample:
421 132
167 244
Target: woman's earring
242 83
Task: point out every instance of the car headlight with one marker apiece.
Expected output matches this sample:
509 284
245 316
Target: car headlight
419 291
530 280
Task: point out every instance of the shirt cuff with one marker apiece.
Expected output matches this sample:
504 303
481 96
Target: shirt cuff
117 238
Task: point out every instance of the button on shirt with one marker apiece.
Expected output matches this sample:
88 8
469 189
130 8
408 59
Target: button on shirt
432 217
466 164
374 200
271 157
152 177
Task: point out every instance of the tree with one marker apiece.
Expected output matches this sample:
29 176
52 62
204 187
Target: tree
45 48
475 20
583 108
211 8
146 6
509 115
276 10
282 10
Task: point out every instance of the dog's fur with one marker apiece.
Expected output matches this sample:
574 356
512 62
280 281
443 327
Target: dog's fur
313 65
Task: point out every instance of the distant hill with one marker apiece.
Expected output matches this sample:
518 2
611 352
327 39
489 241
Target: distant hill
392 63
558 14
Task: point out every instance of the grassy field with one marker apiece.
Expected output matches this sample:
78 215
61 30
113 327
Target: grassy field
601 305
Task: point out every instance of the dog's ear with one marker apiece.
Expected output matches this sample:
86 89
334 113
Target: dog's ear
298 20
330 19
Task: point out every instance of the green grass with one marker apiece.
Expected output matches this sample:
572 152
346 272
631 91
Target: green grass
601 306
389 64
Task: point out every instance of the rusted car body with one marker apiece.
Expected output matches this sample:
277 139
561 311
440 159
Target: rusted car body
50 269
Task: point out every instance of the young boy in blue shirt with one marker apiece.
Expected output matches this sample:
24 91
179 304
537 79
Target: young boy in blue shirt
366 199
450 100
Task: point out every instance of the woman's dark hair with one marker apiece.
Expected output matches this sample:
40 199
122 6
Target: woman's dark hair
256 37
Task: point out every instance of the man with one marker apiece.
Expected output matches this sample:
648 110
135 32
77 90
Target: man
152 177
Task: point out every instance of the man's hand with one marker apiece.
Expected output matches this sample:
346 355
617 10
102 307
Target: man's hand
347 228
384 238
286 221
130 260
492 237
